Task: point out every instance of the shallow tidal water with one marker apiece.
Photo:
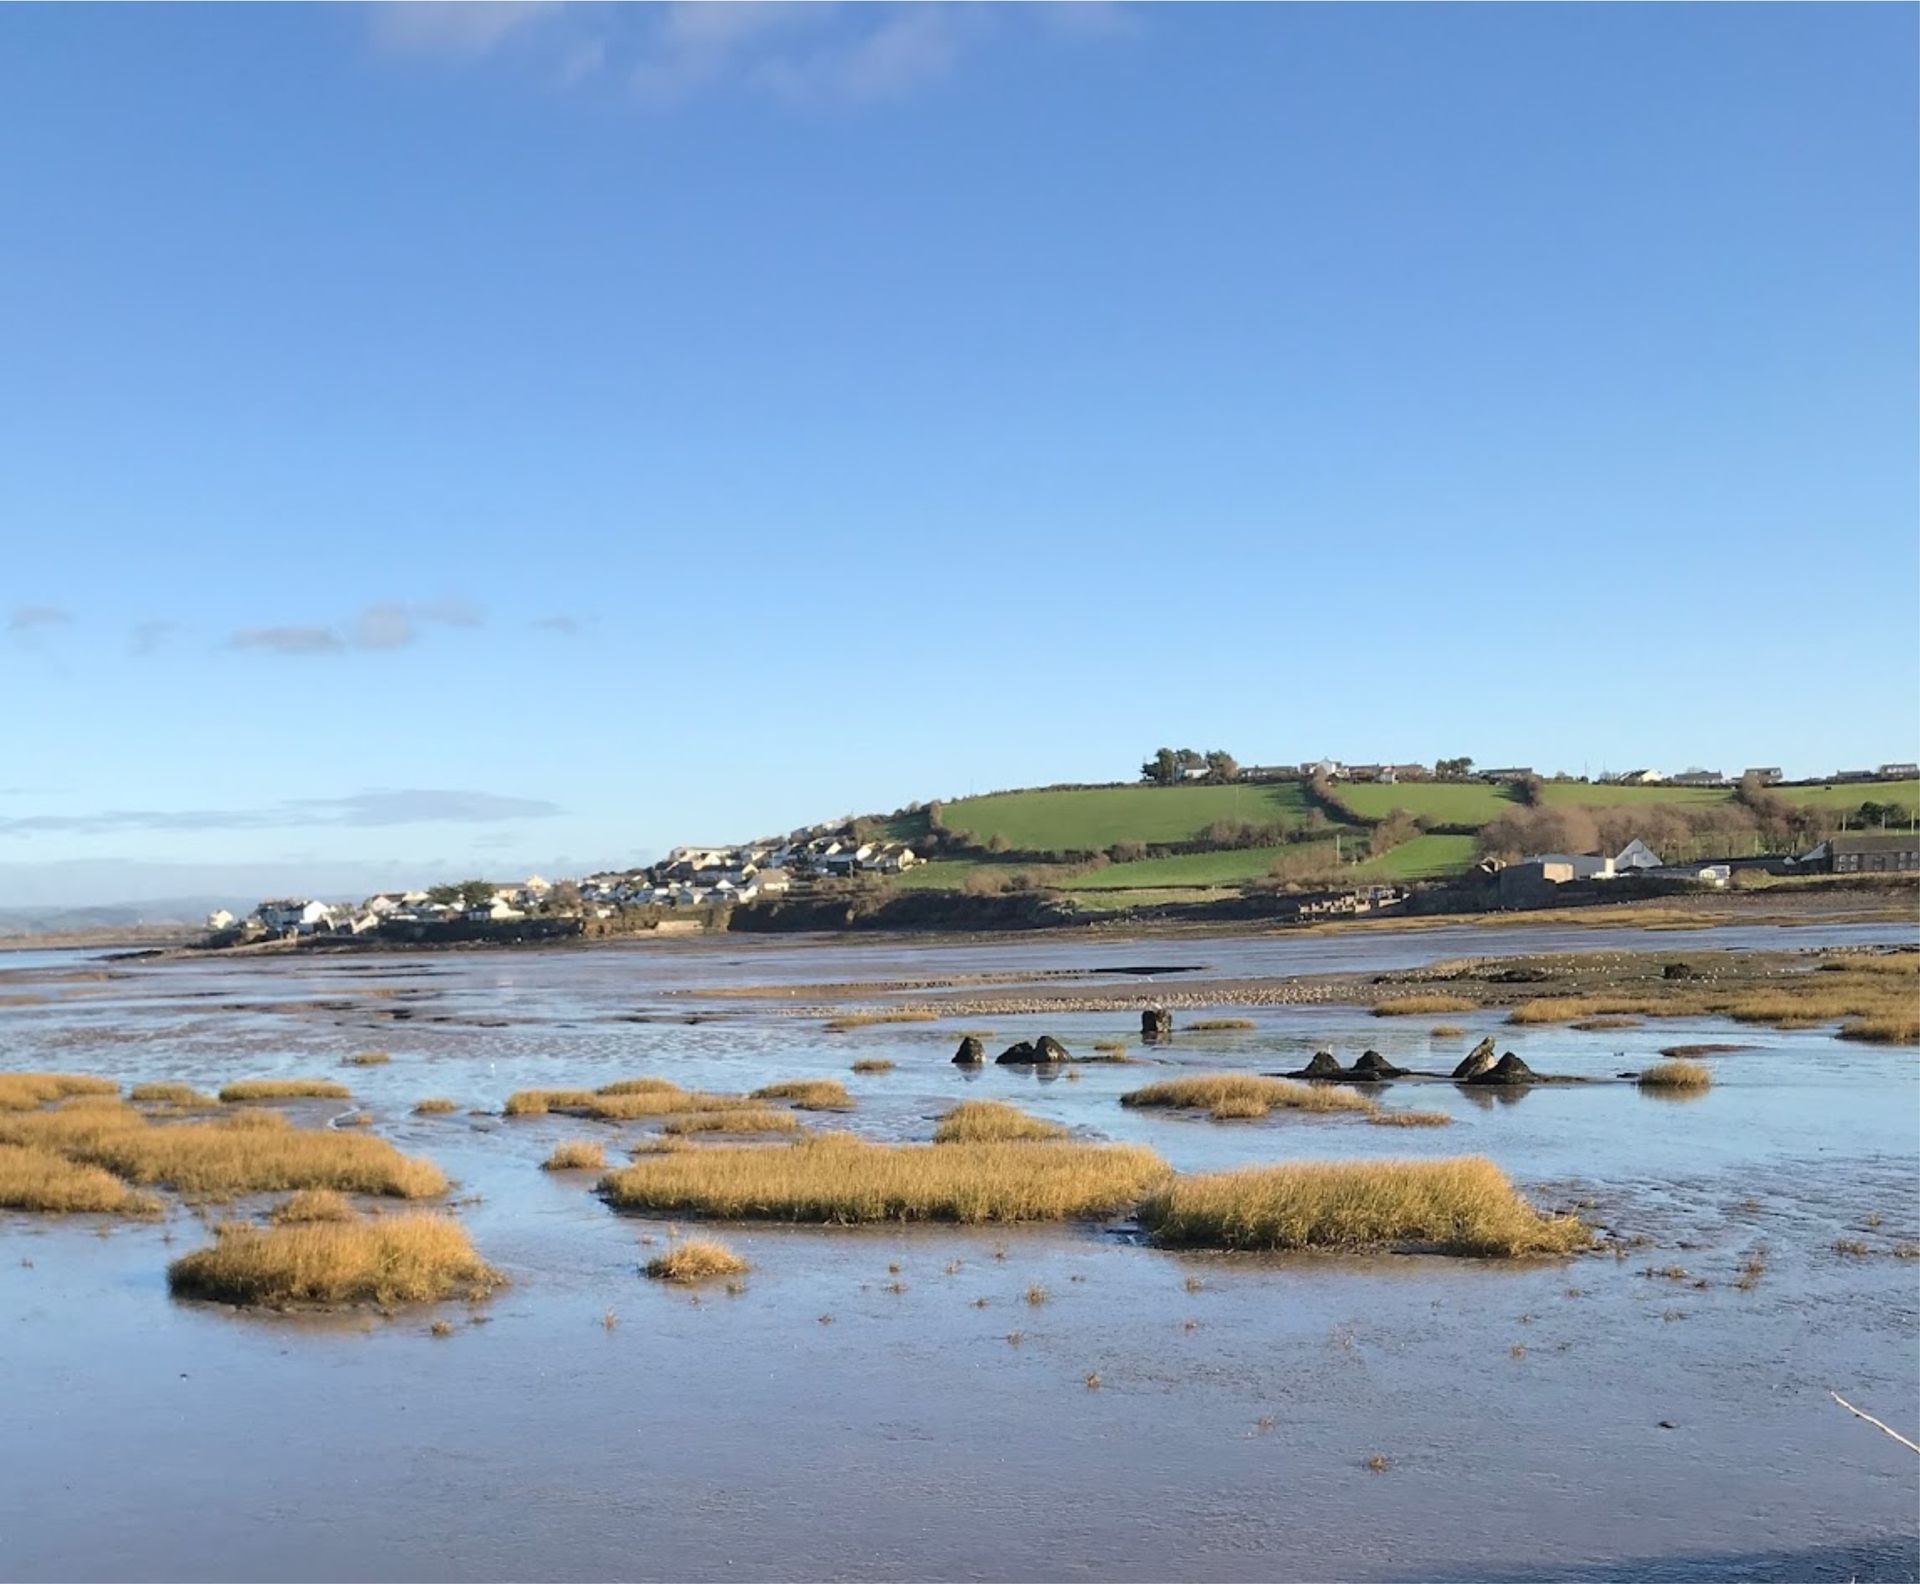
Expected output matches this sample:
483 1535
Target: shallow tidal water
1580 1419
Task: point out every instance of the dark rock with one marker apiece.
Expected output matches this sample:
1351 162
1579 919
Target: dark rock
1042 1052
1679 970
1156 1023
1047 1048
1509 1069
1375 1065
971 1052
1519 976
1475 1062
1323 1065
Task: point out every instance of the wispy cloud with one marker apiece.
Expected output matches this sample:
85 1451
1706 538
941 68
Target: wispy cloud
806 55
391 625
149 637
381 807
566 626
25 620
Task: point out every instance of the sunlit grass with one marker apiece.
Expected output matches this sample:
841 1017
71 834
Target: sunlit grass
1422 1005
1677 1075
1460 1206
736 1119
250 1153
837 1178
696 1260
1883 1000
313 1204
1410 1119
434 1105
285 1089
982 1121
43 1180
26 1090
873 1064
392 1259
576 1155
808 1094
1220 1025
177 1094
367 1059
1228 1096
853 1020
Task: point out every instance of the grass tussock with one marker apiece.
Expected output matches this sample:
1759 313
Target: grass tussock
1236 1095
1422 1005
1595 1025
736 1119
576 1155
853 1020
394 1259
1677 1075
1839 992
1890 1029
696 1260
808 1094
46 1181
174 1094
1410 1119
434 1105
1460 1206
873 1064
629 1099
27 1090
366 1059
626 1086
1220 1025
284 1089
989 1121
228 1156
838 1179
313 1204
1446 1031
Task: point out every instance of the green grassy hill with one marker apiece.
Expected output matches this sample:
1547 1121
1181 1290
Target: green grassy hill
1094 818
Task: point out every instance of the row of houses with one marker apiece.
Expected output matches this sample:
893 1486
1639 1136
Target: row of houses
1529 878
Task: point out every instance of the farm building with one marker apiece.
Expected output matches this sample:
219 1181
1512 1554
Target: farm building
1862 853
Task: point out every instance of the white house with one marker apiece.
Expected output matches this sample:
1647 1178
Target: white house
220 919
294 915
498 911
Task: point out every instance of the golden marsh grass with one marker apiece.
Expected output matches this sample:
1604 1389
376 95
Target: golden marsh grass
1461 1206
737 1119
808 1094
367 1059
629 1099
854 1020
873 1064
1422 1005
696 1260
241 1154
434 1105
313 1204
576 1155
1410 1119
27 1090
175 1094
838 1179
285 1089
44 1180
1677 1075
1246 1095
1220 1025
393 1259
985 1121
1883 1000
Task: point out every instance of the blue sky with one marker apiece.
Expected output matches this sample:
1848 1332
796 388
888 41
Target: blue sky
463 439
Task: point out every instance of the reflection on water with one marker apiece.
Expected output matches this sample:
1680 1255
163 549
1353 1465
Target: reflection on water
1521 1407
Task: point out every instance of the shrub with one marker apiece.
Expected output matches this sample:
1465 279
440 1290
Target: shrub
836 1178
394 1259
982 1121
575 1155
1460 1206
696 1260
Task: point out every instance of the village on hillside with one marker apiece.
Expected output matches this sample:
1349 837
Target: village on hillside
704 884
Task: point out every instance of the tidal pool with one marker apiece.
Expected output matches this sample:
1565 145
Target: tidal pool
1593 1418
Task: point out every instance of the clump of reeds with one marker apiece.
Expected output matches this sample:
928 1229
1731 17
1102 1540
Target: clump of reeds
1677 1075
1460 1206
836 1178
873 1064
175 1094
244 1153
1410 1119
313 1204
576 1155
1220 1025
853 1020
624 1086
696 1260
625 1100
1889 1029
808 1094
434 1105
43 1180
1446 1031
737 1119
393 1259
366 1059
284 1089
1594 1025
1228 1096
1421 1005
23 1091
982 1121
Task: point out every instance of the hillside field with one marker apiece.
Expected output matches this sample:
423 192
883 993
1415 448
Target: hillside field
1094 818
